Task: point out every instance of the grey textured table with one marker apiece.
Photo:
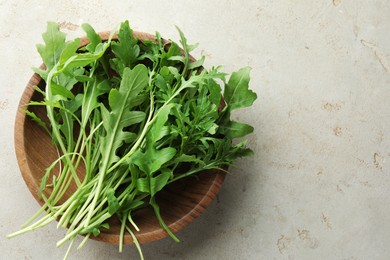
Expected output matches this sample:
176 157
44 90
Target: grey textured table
318 186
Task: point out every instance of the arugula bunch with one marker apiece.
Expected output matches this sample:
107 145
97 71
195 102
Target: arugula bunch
138 115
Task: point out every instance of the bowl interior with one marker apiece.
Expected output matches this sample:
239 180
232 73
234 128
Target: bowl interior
180 202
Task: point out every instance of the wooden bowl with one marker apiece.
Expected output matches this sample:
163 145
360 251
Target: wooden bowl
180 202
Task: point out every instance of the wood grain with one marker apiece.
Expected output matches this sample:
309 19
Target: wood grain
180 202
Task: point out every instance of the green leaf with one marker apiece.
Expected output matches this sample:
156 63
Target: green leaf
191 47
174 50
152 160
213 129
35 118
117 65
113 203
129 137
93 37
74 105
177 58
236 94
215 92
133 117
240 150
95 232
235 129
155 132
69 50
83 78
125 49
61 91
67 127
84 59
36 88
197 63
159 182
68 78
174 71
120 116
186 158
130 205
105 225
54 45
42 73
90 100
143 185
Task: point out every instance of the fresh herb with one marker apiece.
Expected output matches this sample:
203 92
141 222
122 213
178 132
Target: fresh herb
133 113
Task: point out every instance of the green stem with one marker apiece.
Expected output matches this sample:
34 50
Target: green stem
156 209
122 231
84 241
56 131
137 245
69 248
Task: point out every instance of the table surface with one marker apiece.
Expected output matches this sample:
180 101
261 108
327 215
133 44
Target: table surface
319 182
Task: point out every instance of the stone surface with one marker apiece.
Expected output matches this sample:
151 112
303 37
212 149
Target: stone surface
318 186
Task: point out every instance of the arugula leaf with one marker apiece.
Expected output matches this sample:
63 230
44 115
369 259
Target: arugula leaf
62 92
84 59
113 203
69 50
143 185
95 232
125 49
237 94
155 131
235 129
197 63
187 158
158 183
152 159
93 37
54 45
34 117
131 204
120 116
90 97
215 92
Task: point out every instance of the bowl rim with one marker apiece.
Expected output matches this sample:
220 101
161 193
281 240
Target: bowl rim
22 159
